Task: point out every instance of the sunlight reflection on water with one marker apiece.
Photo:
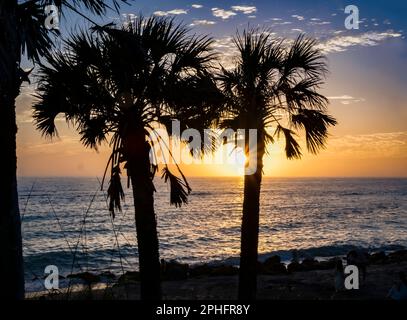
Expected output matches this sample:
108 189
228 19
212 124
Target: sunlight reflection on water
295 214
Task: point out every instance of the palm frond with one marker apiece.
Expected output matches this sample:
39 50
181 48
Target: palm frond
179 190
275 79
35 39
93 132
98 7
304 94
315 123
304 56
115 191
292 148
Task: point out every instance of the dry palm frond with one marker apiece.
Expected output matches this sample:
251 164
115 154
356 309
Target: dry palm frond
292 148
115 192
179 189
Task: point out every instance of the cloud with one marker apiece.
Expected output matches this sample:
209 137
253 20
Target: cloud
129 16
343 97
300 18
228 51
171 12
297 30
346 99
375 145
245 9
202 23
321 23
367 39
283 23
197 6
223 14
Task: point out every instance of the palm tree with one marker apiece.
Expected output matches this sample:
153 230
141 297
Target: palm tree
119 85
22 32
273 87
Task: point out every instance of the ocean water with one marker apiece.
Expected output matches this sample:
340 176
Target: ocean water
65 222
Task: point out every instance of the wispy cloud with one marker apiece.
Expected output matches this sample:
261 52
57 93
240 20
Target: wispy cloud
223 14
227 49
197 6
170 12
346 99
375 145
296 16
128 18
319 23
245 9
281 23
344 42
202 23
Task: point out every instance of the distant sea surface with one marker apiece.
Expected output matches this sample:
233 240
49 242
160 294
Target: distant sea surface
66 222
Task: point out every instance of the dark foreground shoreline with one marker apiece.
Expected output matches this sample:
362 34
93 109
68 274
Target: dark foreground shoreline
309 280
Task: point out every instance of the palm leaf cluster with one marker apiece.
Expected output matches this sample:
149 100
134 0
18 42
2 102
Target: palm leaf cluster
30 36
147 73
273 88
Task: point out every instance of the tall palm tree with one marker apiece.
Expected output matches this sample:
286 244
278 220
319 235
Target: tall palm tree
272 89
119 85
22 32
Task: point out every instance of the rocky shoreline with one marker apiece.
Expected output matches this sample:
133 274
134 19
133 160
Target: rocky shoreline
306 279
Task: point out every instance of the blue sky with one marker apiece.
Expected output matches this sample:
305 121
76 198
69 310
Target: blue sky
367 66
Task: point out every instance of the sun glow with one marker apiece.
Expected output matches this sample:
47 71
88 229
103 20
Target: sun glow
236 161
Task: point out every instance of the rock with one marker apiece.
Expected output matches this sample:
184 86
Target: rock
260 268
273 260
328 264
357 257
128 277
272 265
294 267
309 264
85 276
174 270
219 270
278 268
200 270
378 257
398 256
224 270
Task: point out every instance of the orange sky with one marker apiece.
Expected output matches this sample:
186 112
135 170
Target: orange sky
369 140
367 90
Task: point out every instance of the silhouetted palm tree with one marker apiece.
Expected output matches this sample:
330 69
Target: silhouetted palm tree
119 84
22 32
273 87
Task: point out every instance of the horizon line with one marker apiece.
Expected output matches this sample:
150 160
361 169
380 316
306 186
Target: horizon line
236 176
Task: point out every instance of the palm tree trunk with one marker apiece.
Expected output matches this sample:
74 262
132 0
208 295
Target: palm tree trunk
11 261
250 230
138 166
